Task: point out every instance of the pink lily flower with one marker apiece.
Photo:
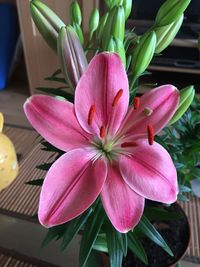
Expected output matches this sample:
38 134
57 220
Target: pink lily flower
109 147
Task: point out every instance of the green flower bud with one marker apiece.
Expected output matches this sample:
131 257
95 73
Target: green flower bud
186 97
47 22
75 13
143 53
112 3
127 8
171 11
79 32
166 34
93 21
101 26
116 45
71 56
115 25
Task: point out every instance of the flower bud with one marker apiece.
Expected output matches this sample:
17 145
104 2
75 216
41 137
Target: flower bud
47 22
116 45
93 21
75 13
166 34
101 26
186 97
115 25
112 3
79 32
127 8
143 53
170 11
71 56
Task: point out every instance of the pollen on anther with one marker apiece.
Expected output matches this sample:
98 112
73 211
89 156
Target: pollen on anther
91 114
102 132
136 102
129 144
150 132
117 97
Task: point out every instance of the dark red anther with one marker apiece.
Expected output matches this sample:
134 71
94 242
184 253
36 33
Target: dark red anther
91 114
136 102
117 97
129 144
150 132
102 132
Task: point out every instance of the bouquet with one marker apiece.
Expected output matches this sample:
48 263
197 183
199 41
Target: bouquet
109 140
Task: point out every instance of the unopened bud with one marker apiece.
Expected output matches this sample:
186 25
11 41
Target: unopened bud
101 26
116 45
47 22
79 32
143 53
186 97
75 13
115 25
171 11
166 34
93 21
71 55
127 8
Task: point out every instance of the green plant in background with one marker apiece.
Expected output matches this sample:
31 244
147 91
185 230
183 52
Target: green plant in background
107 33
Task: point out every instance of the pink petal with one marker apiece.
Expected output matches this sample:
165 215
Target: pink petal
150 172
98 87
163 101
55 120
123 206
72 184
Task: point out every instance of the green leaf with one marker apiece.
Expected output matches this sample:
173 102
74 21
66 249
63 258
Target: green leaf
122 238
90 234
136 247
38 182
56 73
45 166
155 213
114 247
101 243
55 79
150 231
54 233
73 227
57 92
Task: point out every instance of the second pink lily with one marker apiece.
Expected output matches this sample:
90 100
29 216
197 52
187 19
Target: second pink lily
110 148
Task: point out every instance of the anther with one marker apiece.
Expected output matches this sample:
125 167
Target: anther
129 144
117 97
91 114
136 102
102 132
150 132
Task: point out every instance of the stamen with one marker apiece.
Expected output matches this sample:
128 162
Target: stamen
129 144
117 97
136 102
150 132
91 114
148 111
102 132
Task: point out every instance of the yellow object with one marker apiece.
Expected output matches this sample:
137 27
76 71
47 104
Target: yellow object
8 159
